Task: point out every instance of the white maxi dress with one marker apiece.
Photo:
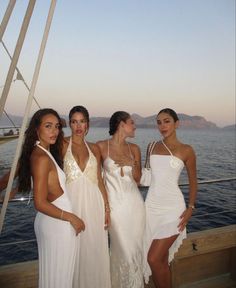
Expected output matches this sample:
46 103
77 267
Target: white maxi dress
164 205
56 241
92 267
127 225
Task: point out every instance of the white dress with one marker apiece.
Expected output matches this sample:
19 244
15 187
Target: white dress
164 205
56 241
92 268
127 226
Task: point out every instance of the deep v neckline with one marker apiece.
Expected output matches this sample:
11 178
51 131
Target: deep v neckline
86 165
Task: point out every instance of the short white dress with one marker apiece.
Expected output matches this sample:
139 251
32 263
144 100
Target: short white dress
164 205
127 225
92 267
56 241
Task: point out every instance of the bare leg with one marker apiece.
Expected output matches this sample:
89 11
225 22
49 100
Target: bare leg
158 261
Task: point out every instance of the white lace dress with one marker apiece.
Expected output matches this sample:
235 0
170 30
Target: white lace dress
56 241
164 205
127 226
92 268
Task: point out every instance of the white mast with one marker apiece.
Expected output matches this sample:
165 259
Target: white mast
27 110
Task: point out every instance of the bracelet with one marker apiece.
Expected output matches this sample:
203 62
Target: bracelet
62 211
191 206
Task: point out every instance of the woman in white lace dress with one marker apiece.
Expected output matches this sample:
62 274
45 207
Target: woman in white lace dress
87 193
122 171
166 213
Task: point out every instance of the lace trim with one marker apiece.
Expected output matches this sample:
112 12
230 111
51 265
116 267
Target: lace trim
125 274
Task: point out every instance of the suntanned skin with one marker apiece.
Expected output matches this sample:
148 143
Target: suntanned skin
158 252
46 184
79 128
119 150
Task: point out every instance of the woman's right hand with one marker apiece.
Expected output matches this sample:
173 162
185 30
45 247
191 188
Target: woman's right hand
77 223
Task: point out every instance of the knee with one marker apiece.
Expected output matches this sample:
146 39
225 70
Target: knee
157 260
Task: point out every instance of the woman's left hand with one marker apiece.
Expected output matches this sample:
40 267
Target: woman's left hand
184 218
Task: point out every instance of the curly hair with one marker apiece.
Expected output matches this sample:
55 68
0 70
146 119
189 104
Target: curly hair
115 120
24 169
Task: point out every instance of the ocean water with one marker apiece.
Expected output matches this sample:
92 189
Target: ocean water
216 202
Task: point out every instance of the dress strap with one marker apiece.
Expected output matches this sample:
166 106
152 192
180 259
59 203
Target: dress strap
49 154
108 148
130 152
166 147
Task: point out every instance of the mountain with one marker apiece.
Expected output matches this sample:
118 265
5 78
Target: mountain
186 122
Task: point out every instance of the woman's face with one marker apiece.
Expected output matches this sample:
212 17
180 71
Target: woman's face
129 127
79 124
166 124
48 130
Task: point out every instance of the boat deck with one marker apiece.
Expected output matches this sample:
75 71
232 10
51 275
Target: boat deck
207 259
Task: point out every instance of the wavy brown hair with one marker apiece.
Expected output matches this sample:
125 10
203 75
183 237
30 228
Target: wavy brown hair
24 169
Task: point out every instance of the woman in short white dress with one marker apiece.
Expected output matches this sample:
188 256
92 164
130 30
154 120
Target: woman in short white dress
166 212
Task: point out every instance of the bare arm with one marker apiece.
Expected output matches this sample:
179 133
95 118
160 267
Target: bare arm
190 164
136 167
41 168
101 185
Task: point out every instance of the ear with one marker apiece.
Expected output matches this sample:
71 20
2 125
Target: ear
177 124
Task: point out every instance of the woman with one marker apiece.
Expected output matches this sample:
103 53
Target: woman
55 225
82 166
122 171
166 213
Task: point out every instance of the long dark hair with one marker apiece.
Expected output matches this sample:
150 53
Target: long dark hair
79 109
24 170
170 112
115 120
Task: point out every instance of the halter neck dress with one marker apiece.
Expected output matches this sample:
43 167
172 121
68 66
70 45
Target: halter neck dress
164 204
92 267
127 225
56 241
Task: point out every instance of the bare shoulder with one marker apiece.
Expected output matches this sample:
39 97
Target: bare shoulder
134 147
101 143
187 150
94 148
40 160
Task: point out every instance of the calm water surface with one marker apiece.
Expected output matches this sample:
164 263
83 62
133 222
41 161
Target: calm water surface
216 202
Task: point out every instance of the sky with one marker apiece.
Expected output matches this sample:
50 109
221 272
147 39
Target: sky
138 56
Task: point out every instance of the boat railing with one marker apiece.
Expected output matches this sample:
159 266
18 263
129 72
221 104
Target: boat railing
25 199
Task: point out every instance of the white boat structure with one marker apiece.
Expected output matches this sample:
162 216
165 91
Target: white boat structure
207 259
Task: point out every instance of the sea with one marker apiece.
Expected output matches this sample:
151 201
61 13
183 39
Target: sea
215 206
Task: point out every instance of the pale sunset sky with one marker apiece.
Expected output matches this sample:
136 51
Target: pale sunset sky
138 56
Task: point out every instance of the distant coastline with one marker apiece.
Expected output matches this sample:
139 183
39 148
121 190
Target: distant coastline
186 122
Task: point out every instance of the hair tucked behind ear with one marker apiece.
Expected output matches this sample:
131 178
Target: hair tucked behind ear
24 169
115 120
170 112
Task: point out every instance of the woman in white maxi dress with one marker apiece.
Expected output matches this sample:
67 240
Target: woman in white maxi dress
121 164
166 213
89 202
54 220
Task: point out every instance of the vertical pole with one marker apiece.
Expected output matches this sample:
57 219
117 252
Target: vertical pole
16 55
6 17
27 110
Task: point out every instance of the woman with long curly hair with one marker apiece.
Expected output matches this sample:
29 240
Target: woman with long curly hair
55 225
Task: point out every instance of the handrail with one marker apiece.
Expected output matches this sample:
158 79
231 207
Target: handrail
29 198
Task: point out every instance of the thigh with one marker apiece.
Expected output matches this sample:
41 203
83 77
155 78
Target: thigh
160 247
